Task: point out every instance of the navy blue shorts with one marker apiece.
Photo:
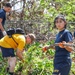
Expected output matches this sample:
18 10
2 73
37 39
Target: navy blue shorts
63 71
7 52
62 65
62 68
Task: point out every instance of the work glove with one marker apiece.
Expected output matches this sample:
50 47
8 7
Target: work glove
4 33
45 48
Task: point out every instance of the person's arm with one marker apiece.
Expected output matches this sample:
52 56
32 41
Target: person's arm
19 54
45 48
68 40
20 48
1 27
68 48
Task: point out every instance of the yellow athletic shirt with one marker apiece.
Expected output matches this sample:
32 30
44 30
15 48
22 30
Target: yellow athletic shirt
10 43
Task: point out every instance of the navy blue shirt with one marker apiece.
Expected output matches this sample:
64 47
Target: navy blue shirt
3 16
62 54
62 58
63 35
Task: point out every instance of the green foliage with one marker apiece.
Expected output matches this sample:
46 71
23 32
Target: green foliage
36 62
3 65
46 10
72 68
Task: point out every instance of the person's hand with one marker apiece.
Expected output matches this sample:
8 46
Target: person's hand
4 33
61 44
45 48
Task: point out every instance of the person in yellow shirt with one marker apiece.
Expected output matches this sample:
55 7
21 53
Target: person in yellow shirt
18 42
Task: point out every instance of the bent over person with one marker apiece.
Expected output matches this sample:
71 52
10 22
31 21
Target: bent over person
8 45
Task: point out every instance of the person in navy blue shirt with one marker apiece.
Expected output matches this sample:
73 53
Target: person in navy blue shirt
62 59
7 8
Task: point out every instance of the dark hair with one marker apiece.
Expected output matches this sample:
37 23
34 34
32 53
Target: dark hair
61 17
8 5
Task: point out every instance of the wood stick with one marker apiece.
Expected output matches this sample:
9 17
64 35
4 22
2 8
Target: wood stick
57 44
